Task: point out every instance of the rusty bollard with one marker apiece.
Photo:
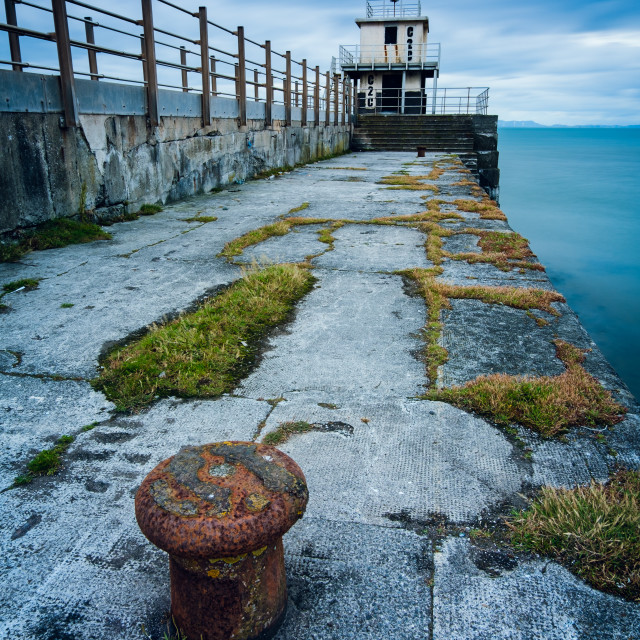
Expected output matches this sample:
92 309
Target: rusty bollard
220 511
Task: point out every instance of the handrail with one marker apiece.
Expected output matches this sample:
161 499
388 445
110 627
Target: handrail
293 84
435 101
366 56
401 9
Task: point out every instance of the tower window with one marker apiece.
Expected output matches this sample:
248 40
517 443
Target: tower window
391 35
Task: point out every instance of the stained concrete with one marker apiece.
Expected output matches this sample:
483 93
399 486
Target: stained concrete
394 480
112 164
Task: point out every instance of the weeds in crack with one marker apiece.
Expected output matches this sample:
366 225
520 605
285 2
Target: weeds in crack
204 353
549 405
593 530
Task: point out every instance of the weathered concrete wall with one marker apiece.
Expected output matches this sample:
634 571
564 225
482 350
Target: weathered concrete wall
115 163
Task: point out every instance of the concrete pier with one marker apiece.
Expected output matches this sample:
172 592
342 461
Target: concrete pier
397 484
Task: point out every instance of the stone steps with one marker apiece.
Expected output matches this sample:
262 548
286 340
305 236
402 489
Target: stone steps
453 134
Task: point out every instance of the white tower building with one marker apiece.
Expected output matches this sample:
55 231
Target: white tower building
394 63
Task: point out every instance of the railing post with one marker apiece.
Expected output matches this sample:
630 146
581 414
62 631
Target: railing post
256 80
67 83
305 92
14 38
143 51
435 92
287 90
327 101
214 78
204 66
93 59
316 99
336 98
150 63
268 84
242 79
468 97
354 102
183 62
345 95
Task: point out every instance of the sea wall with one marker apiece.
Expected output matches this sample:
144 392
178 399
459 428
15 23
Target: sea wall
114 161
485 146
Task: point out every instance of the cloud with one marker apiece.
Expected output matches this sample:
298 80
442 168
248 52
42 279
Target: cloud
567 61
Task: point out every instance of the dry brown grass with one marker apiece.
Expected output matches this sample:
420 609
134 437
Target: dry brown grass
437 295
423 216
594 530
412 183
548 404
256 236
487 208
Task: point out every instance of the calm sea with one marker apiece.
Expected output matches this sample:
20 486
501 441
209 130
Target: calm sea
575 194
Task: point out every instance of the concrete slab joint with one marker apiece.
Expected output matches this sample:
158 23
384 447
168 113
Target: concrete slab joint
403 536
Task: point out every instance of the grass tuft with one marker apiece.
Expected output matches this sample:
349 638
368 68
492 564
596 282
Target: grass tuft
204 353
201 219
256 236
488 209
302 207
149 209
412 183
26 283
53 234
66 305
548 404
285 430
45 462
594 530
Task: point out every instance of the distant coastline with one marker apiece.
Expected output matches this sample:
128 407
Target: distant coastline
530 124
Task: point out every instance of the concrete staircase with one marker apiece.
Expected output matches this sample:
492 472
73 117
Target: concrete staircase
473 137
393 132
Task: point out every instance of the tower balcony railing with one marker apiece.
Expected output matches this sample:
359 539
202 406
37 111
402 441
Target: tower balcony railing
357 56
435 101
398 9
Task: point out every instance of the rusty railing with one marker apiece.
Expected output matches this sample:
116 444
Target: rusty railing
207 58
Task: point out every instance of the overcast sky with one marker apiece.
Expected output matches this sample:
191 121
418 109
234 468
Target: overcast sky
552 61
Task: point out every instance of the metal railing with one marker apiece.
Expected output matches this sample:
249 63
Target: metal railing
357 56
207 58
393 9
438 101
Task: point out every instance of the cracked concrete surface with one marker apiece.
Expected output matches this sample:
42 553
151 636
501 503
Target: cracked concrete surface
383 467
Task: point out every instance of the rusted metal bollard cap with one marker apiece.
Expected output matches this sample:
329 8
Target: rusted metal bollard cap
221 499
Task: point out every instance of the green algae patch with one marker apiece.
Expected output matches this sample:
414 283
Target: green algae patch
53 234
548 404
204 353
593 530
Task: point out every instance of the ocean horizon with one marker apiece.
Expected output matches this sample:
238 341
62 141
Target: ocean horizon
573 193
